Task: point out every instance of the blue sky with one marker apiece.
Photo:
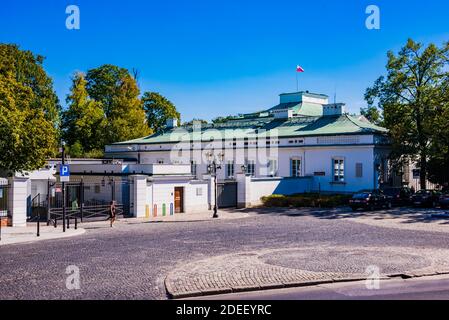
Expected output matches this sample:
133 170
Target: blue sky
216 58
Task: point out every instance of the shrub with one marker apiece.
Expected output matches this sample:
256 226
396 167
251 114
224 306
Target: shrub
305 200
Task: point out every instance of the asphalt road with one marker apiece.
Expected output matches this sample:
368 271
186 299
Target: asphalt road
425 288
132 260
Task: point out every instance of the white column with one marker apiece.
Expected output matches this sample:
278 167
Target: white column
139 195
210 190
17 200
243 190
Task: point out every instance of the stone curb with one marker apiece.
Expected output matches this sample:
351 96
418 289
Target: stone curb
262 287
33 238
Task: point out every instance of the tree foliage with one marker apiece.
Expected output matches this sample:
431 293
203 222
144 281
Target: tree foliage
127 116
28 138
84 121
409 97
194 120
29 111
373 115
103 83
222 119
158 110
103 107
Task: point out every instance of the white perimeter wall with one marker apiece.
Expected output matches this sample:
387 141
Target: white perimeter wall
163 192
259 188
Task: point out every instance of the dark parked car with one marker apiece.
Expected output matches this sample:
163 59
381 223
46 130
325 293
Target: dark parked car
426 198
444 200
398 196
369 200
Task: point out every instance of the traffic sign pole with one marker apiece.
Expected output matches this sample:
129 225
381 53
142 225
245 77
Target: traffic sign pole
63 188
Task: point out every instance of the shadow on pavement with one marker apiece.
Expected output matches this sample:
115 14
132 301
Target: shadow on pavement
407 214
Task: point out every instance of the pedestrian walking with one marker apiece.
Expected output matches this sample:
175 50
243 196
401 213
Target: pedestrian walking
112 212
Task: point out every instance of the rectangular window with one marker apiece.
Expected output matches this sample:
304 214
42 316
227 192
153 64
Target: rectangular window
199 191
97 188
251 168
339 169
230 170
359 170
272 168
295 167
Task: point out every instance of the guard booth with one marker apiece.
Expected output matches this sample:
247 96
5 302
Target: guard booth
227 194
88 197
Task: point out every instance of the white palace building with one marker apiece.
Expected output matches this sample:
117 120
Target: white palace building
303 144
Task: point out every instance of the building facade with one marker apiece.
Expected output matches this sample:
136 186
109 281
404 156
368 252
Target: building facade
302 137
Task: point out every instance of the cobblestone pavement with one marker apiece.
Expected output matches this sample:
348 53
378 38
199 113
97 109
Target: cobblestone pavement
28 233
267 269
131 261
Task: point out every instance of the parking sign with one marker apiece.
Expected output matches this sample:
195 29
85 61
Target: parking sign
64 173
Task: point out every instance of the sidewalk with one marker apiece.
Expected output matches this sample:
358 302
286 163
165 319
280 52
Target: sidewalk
190 217
28 234
12 235
176 218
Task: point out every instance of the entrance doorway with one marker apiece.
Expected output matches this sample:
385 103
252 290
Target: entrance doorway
179 199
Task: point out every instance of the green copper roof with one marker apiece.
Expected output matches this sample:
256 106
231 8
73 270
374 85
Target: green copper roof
310 109
241 128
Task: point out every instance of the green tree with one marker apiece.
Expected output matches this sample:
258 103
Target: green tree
118 93
29 111
103 83
27 68
373 114
28 138
438 166
84 122
409 97
158 110
127 118
222 119
76 150
189 123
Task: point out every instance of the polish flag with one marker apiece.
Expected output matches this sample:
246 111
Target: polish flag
299 69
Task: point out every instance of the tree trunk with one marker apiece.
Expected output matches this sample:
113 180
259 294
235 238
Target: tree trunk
423 171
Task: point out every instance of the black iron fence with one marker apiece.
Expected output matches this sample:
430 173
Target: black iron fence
84 199
4 191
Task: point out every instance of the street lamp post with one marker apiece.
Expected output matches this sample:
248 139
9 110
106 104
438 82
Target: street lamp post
63 191
212 167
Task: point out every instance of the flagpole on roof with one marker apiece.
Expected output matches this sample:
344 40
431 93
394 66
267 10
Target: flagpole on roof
297 84
298 69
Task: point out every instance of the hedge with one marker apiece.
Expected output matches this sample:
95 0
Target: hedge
312 200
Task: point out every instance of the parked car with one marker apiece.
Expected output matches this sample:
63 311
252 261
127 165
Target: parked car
444 200
398 196
426 198
369 200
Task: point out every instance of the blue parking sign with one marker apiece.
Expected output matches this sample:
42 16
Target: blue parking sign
64 172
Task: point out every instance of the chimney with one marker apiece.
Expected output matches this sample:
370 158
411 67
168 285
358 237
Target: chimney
171 123
334 109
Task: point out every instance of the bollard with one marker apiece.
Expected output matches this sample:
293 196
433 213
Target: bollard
68 222
76 223
38 227
56 221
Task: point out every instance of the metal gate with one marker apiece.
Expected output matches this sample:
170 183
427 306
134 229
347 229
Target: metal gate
88 198
227 194
4 190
